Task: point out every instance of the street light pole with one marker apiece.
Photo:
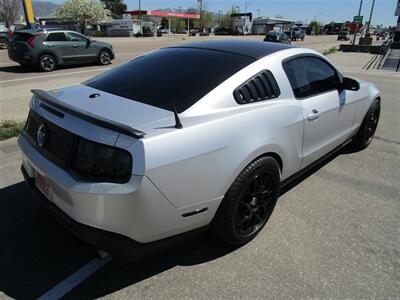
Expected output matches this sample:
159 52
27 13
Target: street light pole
179 20
359 14
370 16
140 18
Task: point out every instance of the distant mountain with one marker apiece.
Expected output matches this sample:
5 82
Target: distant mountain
41 9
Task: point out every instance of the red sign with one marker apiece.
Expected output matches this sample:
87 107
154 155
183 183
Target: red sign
167 14
354 27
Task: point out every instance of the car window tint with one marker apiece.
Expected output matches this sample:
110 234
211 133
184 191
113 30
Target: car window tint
21 37
56 37
310 76
180 75
76 37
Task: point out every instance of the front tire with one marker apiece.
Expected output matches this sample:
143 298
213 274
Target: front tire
105 57
249 202
47 63
368 126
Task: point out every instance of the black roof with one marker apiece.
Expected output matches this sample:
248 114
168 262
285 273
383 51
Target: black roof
253 49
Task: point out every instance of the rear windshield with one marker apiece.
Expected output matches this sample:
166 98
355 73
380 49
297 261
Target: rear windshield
21 36
180 75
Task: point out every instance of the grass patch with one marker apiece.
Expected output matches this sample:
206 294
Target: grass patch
9 129
329 51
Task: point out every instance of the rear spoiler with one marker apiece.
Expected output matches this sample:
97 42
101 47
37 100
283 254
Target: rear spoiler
87 116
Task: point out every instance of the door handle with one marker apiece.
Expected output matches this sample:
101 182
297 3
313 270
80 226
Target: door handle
50 46
75 46
313 116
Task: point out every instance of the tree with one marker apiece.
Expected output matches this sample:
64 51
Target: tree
316 26
8 11
117 7
227 20
85 12
164 23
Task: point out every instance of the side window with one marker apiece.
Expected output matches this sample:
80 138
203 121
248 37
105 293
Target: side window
260 87
56 37
76 37
310 76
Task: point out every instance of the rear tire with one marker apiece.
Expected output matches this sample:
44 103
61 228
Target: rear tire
249 202
105 57
368 127
3 44
47 63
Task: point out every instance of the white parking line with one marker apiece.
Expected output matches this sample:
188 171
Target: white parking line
75 279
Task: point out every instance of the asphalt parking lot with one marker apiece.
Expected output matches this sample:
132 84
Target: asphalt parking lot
336 234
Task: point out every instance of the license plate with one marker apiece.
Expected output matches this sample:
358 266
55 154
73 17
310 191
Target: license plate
42 183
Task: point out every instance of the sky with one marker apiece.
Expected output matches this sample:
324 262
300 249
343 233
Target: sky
299 10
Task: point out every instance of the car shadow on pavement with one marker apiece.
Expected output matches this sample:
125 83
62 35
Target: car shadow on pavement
17 69
37 253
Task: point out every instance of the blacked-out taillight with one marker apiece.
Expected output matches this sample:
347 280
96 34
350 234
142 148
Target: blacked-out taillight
101 163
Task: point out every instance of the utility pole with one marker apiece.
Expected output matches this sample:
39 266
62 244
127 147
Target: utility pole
140 18
259 11
201 14
219 17
179 20
359 14
370 16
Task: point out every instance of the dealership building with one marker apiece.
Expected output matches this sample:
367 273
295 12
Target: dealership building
262 25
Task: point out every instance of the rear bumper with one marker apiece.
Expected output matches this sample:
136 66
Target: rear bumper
131 218
113 243
24 58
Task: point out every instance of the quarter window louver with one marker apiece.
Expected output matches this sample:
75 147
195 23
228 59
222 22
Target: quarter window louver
260 87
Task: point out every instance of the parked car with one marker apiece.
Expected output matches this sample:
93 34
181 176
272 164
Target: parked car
204 33
296 34
193 32
51 48
129 167
225 31
277 37
343 35
5 35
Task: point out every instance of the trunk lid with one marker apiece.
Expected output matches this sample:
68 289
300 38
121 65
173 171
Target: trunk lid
111 108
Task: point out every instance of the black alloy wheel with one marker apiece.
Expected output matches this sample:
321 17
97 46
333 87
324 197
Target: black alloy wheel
248 203
255 203
368 127
372 124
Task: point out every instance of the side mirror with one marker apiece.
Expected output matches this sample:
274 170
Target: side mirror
350 84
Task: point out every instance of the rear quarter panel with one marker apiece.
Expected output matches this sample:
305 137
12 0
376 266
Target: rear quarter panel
200 162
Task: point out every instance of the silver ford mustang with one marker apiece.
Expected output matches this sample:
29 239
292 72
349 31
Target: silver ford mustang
195 136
